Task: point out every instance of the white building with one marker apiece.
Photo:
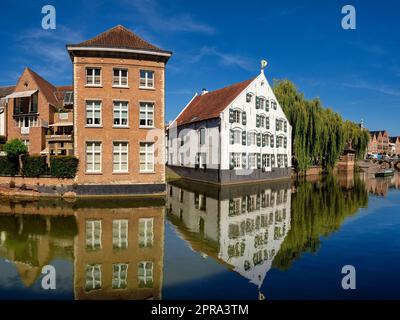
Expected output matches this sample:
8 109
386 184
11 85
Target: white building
237 133
4 91
239 226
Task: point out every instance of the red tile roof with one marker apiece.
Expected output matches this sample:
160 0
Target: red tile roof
211 104
119 37
45 87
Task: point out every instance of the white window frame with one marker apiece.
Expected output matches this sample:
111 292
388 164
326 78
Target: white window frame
93 106
93 283
120 77
148 107
145 277
146 79
119 240
120 107
251 136
237 116
146 238
252 158
93 83
93 153
147 152
120 276
237 160
93 241
202 132
119 153
237 136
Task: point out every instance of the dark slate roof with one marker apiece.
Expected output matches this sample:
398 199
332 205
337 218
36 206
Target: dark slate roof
5 91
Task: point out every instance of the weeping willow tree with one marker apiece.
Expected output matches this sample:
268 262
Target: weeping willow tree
318 210
319 135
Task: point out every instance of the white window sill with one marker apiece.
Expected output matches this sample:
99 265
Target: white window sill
120 127
147 172
94 86
120 172
147 88
146 127
93 126
93 173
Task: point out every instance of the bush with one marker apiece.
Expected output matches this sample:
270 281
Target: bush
33 166
3 139
63 166
14 148
8 167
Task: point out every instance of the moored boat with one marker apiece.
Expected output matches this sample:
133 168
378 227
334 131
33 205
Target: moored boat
385 173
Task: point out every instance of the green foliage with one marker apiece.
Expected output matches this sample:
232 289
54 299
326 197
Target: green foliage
14 148
318 210
3 139
8 167
34 166
319 135
63 166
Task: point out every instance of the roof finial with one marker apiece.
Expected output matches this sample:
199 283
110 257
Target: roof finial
264 64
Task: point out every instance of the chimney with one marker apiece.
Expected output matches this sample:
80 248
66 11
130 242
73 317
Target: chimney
204 91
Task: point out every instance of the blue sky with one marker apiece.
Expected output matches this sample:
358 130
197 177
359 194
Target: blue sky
217 43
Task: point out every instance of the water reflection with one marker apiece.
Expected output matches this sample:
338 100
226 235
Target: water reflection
241 227
117 250
108 249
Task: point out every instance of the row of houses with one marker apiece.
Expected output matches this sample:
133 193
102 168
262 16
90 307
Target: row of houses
112 118
382 143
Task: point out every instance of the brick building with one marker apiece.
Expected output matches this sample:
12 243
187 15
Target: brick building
379 142
119 102
395 145
32 108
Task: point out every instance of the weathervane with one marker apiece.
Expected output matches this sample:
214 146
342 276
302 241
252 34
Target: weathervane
264 64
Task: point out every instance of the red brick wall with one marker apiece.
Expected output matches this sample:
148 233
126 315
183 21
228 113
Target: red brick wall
107 134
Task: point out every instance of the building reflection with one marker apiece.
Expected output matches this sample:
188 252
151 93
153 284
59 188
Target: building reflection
117 249
241 227
381 186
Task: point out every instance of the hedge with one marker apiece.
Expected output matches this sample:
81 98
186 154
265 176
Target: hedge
63 166
8 167
34 166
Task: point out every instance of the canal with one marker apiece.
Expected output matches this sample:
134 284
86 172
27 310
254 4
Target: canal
281 240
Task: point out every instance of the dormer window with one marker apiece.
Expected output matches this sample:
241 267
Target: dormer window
249 96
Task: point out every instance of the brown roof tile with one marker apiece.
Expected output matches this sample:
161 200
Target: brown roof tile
211 104
119 37
45 87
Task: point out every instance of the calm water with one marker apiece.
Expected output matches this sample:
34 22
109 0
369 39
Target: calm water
263 241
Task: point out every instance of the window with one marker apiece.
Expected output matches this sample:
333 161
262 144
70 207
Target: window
120 157
202 159
120 113
146 79
252 161
93 113
93 76
120 78
93 157
236 116
252 138
262 101
146 232
262 121
145 274
120 234
93 277
249 96
120 275
202 136
146 114
237 137
93 234
146 157
237 160
26 143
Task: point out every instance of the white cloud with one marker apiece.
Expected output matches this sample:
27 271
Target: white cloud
380 88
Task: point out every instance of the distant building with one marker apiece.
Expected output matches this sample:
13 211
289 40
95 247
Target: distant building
33 110
395 145
379 142
4 91
234 134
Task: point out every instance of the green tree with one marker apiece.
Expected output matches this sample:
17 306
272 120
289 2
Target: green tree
14 148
